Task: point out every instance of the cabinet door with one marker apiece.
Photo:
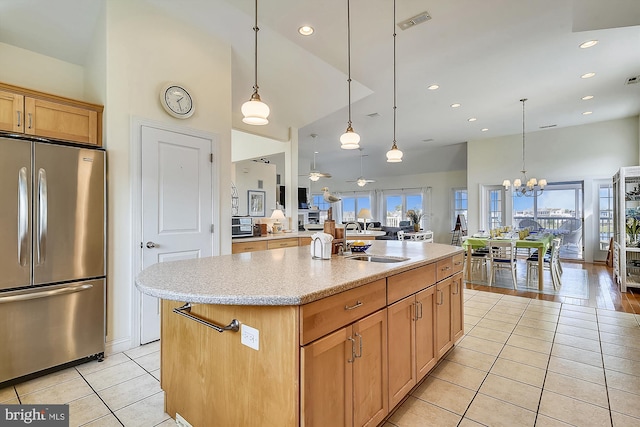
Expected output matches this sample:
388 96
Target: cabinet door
457 307
327 382
11 112
52 120
370 370
426 356
444 337
402 355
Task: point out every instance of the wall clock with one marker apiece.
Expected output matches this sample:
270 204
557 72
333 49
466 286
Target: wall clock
177 101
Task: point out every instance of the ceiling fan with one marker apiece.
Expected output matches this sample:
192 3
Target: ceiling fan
314 175
362 181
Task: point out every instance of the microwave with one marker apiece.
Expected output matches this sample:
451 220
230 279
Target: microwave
241 227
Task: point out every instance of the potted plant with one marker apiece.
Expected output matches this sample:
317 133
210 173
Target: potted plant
415 217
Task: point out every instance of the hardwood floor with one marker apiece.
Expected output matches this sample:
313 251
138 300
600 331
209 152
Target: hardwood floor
603 292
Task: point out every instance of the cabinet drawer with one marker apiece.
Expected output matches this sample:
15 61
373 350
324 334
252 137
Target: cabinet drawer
282 243
444 268
238 248
321 317
304 241
458 263
408 283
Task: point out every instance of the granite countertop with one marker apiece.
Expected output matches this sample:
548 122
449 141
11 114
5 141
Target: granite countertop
287 276
296 234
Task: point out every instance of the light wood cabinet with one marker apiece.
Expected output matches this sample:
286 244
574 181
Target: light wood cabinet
457 307
242 247
11 112
444 331
49 116
304 241
282 243
344 375
411 330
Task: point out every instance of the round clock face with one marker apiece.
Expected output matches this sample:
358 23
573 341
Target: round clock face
177 101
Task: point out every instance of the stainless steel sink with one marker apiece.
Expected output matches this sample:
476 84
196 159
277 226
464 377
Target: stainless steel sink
378 258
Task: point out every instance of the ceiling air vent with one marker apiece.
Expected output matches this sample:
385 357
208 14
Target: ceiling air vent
547 126
373 115
633 80
412 22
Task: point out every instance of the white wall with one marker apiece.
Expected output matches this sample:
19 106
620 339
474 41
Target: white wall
140 57
579 153
247 175
32 70
441 184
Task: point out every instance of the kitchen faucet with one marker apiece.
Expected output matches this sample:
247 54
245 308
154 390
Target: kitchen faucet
357 224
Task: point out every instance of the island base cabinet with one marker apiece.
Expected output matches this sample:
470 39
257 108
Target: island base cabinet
344 376
457 307
444 331
411 345
212 379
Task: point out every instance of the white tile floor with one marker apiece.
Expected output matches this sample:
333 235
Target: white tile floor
522 362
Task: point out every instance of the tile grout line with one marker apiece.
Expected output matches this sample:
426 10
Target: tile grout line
604 370
95 392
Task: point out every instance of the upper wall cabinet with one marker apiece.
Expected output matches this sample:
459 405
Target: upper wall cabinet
49 116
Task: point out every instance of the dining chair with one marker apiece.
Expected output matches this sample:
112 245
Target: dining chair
551 262
502 255
400 235
427 236
479 261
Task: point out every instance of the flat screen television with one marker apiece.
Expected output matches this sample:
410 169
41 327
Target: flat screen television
303 203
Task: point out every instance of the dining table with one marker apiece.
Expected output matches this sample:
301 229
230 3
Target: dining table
541 242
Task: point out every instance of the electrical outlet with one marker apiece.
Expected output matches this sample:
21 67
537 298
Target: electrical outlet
181 422
250 337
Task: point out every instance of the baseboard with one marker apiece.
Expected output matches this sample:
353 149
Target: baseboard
117 346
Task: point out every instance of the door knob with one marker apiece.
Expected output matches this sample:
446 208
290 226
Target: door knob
151 245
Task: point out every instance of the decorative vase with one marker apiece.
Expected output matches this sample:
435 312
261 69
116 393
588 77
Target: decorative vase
416 227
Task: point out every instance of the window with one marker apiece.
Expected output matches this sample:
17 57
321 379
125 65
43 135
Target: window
459 204
323 206
495 205
351 205
397 203
605 224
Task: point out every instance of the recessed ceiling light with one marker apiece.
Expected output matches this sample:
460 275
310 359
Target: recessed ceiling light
472 119
456 105
305 30
588 97
484 129
588 43
586 113
433 87
587 76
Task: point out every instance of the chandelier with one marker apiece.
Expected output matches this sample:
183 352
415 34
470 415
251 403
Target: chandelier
255 111
394 155
525 186
349 140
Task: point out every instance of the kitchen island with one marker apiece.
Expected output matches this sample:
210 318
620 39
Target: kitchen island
318 342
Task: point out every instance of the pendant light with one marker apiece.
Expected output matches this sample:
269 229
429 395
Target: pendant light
350 139
254 110
394 155
532 187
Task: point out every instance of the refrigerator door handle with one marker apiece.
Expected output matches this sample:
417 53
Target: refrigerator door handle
41 241
45 294
23 218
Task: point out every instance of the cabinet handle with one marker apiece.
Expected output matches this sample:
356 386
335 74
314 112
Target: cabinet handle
19 118
445 268
359 339
441 297
353 350
29 120
418 312
357 304
457 283
458 263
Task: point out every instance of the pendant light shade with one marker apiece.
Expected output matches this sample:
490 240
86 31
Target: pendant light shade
255 111
349 140
394 155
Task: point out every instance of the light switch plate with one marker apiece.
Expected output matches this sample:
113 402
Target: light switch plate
250 336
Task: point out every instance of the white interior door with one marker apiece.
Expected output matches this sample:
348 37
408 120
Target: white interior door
177 208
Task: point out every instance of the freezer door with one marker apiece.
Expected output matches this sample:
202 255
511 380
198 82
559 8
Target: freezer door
50 325
69 213
15 217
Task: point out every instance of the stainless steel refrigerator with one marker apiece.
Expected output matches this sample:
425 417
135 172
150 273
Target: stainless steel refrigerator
52 255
